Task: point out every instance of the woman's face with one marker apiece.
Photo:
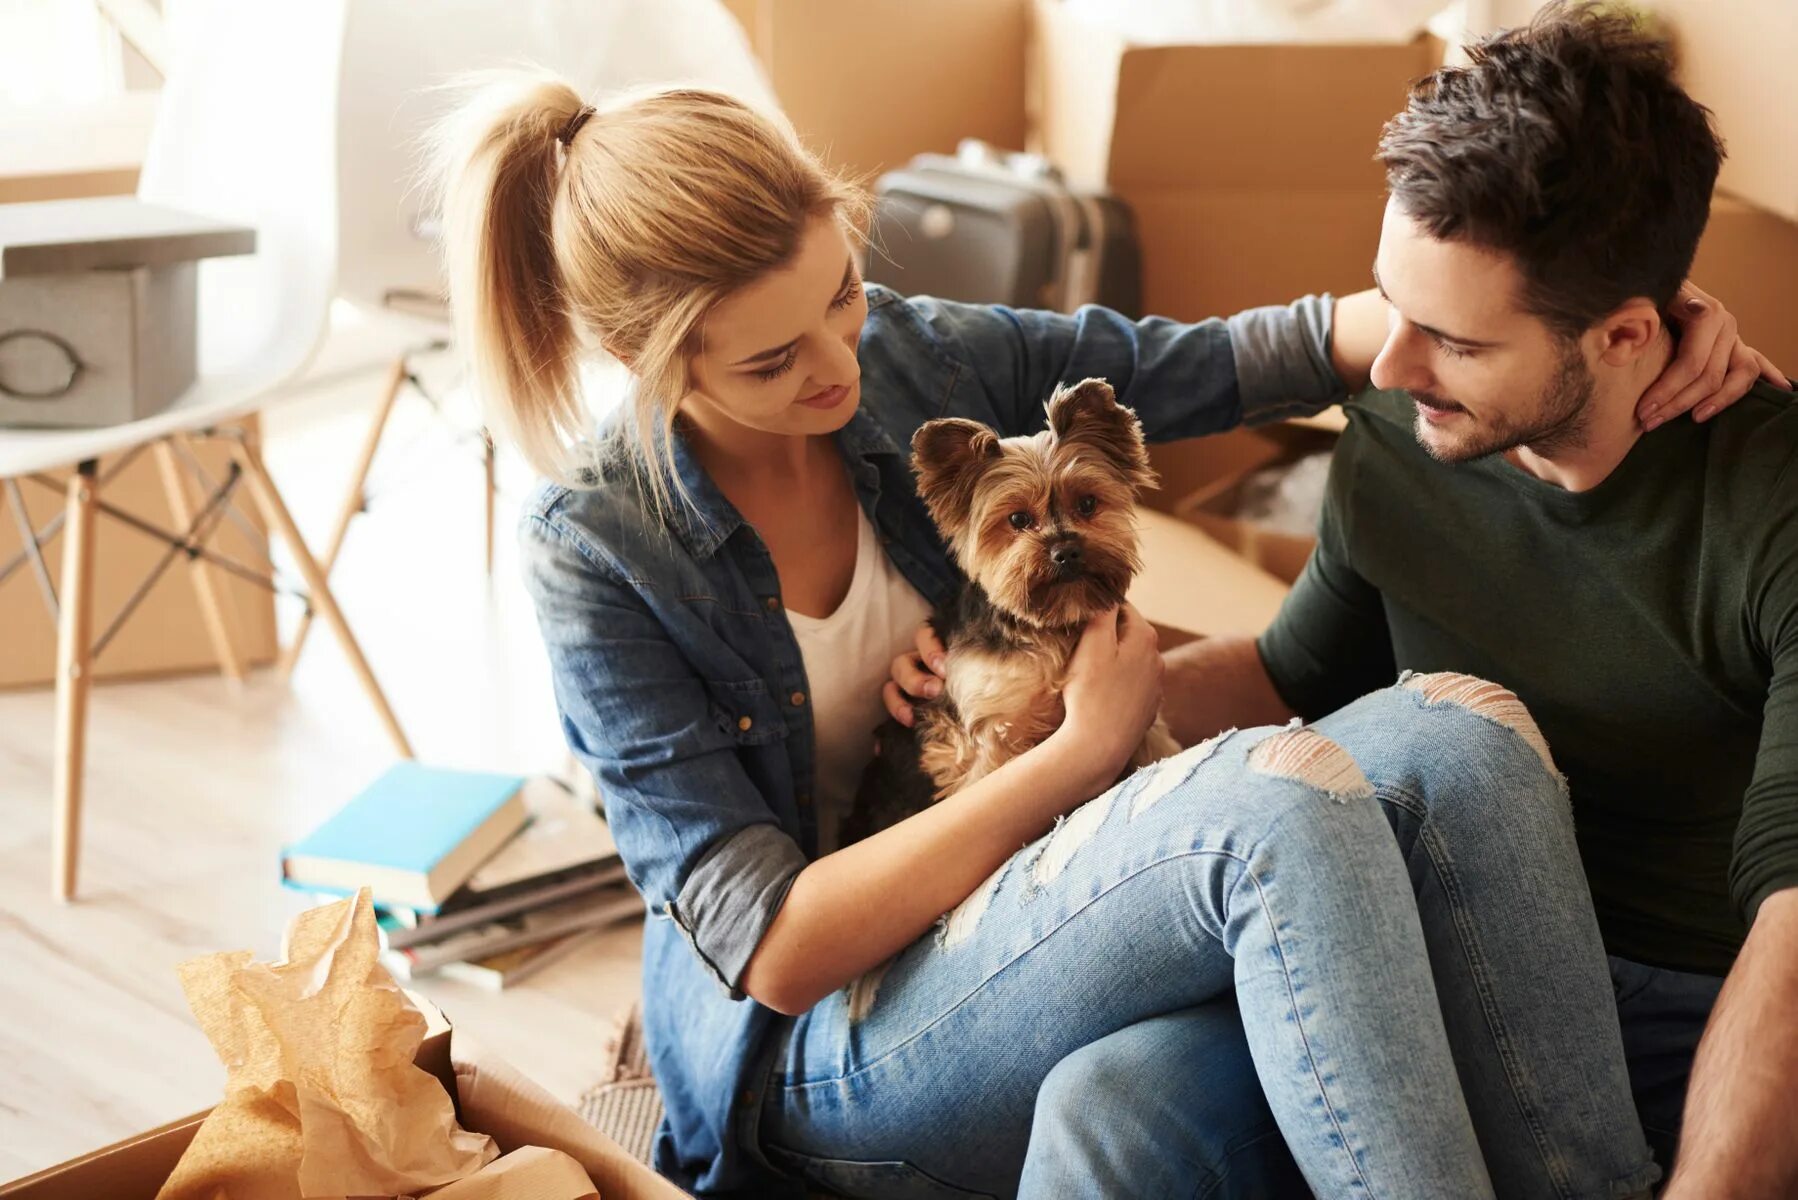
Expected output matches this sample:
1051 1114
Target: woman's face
778 354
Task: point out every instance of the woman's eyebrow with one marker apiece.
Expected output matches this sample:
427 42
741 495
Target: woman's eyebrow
776 351
781 350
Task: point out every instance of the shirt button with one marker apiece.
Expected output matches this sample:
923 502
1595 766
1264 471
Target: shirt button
771 602
805 799
798 698
744 723
749 1096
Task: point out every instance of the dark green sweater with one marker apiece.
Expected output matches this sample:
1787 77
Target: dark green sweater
1650 624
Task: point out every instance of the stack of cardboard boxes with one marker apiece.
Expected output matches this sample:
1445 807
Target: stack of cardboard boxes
1249 169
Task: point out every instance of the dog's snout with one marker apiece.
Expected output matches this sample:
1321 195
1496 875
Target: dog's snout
1067 556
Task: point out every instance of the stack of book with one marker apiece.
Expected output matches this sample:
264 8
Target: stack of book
486 878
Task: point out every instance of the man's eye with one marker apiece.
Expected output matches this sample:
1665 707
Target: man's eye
1021 520
1086 506
1452 350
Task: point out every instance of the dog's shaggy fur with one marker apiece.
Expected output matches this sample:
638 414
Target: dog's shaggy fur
1045 529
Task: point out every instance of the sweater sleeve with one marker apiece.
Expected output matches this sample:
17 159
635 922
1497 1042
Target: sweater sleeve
1765 858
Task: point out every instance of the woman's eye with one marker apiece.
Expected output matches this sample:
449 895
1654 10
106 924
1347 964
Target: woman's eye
848 296
1086 506
785 365
1021 520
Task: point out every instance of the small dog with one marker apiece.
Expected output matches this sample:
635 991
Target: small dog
1045 529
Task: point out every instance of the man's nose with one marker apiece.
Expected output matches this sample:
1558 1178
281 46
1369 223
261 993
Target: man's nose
1401 364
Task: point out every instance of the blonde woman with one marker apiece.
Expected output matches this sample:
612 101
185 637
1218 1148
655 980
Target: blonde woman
725 571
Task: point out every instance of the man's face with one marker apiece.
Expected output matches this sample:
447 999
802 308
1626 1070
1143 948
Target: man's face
1486 375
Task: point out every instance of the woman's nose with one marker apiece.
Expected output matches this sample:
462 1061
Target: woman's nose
836 364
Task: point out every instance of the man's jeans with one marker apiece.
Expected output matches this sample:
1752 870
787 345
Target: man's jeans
1428 1015
1171 1106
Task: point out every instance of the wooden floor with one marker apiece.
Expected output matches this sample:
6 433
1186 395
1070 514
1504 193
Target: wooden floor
193 786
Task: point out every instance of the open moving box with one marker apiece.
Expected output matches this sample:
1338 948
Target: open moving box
491 1097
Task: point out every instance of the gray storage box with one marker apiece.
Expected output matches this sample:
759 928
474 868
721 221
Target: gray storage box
97 308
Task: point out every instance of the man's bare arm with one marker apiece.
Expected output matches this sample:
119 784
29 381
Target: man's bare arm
1740 1137
1218 683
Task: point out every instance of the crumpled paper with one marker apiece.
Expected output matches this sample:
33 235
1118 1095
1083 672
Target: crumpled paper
322 1098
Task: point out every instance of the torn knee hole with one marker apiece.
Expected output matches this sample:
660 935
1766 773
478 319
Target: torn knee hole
1483 698
1308 757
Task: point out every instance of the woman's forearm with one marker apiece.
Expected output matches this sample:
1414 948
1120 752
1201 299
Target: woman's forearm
854 909
1358 331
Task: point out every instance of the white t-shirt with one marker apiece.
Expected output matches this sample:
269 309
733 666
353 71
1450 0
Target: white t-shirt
848 656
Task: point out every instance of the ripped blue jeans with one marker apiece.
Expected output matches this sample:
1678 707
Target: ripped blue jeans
1429 1014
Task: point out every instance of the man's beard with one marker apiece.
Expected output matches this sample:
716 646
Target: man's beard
1556 422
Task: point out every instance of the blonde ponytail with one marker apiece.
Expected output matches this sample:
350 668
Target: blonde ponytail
497 157
660 204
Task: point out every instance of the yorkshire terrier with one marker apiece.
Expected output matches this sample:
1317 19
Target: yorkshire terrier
1044 527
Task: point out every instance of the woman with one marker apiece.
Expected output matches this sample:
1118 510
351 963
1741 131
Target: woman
722 581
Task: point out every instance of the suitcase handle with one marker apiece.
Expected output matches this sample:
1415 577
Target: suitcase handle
1013 164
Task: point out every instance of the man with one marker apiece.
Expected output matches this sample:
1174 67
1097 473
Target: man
1498 510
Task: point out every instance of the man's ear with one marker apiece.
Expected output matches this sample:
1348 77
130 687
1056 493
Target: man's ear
1629 332
949 457
1088 413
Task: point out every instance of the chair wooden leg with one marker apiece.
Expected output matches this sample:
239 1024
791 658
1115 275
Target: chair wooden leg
281 521
205 580
492 490
353 500
74 640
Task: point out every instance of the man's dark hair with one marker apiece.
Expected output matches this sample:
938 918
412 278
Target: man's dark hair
1568 145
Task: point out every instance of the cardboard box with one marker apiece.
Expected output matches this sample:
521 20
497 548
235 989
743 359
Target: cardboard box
1249 168
870 84
491 1097
1735 58
1282 555
1202 482
167 633
1193 587
1748 259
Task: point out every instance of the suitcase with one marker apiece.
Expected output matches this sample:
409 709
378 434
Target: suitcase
1002 228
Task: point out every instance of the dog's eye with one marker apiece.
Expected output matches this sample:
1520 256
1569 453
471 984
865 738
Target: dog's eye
1086 506
1022 520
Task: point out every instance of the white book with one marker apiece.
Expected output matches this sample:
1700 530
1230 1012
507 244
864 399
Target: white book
497 972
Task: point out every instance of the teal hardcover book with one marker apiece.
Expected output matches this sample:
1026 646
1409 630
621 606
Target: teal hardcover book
413 836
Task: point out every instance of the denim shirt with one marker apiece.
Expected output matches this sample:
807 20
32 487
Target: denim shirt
680 684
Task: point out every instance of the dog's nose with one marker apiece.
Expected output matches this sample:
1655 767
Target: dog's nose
1066 555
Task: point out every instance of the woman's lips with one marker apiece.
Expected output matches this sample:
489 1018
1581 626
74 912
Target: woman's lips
828 398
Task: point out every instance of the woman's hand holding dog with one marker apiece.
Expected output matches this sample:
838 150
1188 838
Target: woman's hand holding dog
917 675
1112 695
1113 690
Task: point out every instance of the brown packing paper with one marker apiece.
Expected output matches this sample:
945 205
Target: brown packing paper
528 1173
322 1098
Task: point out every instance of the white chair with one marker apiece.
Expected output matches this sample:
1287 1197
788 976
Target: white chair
301 119
250 139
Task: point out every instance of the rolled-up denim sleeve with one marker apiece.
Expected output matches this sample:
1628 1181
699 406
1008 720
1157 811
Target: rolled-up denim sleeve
1182 380
697 838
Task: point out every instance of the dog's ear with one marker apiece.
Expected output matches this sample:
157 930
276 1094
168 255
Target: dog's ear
1088 414
949 456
